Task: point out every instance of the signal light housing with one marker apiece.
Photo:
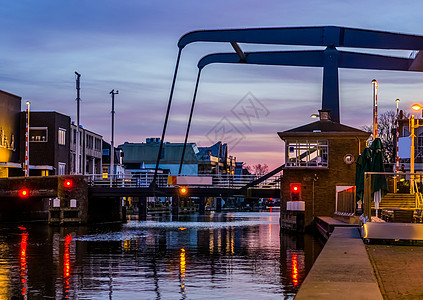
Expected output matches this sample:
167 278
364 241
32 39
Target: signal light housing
295 192
24 193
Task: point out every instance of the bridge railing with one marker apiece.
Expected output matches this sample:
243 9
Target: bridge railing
144 180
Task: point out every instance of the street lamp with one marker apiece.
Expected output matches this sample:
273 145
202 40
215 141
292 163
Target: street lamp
397 147
28 104
413 126
112 147
374 83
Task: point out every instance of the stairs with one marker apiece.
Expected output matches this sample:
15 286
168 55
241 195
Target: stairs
391 200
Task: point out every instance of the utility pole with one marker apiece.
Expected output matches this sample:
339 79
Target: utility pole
112 147
78 142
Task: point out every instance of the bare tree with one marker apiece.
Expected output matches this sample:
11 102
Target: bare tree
258 169
386 131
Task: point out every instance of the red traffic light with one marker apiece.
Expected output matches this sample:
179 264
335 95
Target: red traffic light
68 183
295 187
295 193
24 193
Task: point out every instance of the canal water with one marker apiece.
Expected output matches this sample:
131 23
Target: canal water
217 256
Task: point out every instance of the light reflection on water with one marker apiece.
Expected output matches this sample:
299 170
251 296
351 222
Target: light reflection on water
217 256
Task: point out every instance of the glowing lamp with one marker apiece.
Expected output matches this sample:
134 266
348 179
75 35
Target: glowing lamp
183 191
24 193
68 183
416 107
295 192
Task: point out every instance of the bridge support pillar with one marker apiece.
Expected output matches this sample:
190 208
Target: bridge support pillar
124 205
142 208
202 206
218 204
175 204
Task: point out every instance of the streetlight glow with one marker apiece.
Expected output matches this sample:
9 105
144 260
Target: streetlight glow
416 107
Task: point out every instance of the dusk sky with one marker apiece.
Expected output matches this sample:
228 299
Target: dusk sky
131 46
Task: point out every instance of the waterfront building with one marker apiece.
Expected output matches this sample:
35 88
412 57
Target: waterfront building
215 160
319 161
10 107
48 143
90 154
197 160
119 169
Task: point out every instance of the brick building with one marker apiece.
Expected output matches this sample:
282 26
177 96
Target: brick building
319 157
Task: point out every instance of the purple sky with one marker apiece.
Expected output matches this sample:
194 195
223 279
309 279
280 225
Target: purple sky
131 46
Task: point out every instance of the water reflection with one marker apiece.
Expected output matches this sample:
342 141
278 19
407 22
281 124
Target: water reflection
23 266
66 266
219 256
182 263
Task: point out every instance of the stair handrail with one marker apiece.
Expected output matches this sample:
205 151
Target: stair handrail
419 200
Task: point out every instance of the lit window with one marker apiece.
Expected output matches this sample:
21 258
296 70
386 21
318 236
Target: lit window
307 154
38 134
61 139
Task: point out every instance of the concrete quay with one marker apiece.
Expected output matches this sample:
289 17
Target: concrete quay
342 270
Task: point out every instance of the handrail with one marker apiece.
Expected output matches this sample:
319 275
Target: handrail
419 200
218 181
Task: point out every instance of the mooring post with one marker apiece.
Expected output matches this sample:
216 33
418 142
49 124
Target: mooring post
142 208
202 206
175 204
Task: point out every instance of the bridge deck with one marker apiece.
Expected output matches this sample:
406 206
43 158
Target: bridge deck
103 191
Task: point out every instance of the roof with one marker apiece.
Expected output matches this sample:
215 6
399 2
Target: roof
323 128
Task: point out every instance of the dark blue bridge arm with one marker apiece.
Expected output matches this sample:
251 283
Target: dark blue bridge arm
312 59
308 36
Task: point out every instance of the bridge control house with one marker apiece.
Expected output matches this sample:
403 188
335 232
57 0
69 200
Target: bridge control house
319 161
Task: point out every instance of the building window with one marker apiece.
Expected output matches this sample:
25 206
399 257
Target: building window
61 139
97 144
61 169
90 142
38 134
307 154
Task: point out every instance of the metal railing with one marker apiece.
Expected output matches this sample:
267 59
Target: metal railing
406 183
218 181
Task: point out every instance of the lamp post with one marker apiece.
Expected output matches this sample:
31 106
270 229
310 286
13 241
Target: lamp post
413 125
28 104
78 142
397 146
112 147
374 83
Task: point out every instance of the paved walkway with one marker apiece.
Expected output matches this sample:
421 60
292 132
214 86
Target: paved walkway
398 269
342 270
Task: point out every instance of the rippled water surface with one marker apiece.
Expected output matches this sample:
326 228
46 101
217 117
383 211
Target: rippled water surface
217 256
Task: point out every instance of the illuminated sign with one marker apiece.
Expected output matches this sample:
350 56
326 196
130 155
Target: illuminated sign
5 142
